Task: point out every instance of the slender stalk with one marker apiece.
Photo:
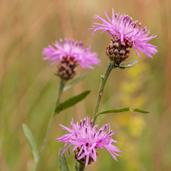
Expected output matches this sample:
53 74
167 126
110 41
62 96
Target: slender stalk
45 139
101 89
60 91
79 166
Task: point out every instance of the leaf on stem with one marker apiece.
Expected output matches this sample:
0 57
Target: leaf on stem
140 111
71 101
31 141
124 66
74 81
126 109
63 163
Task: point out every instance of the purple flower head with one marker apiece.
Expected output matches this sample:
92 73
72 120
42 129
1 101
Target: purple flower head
86 139
127 32
70 48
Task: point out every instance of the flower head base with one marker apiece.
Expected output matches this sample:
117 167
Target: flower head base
66 68
118 51
86 139
127 33
68 54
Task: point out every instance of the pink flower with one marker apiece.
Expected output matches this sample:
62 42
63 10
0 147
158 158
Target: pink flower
127 31
70 48
86 139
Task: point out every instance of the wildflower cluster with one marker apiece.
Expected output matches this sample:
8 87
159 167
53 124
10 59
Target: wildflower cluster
85 136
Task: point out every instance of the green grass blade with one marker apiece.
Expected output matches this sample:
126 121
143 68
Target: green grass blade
31 141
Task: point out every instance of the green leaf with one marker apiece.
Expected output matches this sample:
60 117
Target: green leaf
63 163
74 81
71 101
126 109
29 136
124 66
140 111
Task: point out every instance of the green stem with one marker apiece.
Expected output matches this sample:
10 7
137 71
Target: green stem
45 139
60 91
101 89
79 166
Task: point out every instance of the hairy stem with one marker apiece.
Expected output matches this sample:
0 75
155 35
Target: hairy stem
101 89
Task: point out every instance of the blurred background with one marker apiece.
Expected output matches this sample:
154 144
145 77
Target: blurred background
28 85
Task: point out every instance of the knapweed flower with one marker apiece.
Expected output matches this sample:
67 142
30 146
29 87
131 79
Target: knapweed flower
86 139
68 54
126 34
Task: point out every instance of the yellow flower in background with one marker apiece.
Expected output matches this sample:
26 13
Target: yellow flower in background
132 124
136 125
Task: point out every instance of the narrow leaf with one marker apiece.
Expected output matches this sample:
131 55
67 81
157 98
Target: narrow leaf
74 81
126 109
29 136
63 163
71 101
140 111
124 66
